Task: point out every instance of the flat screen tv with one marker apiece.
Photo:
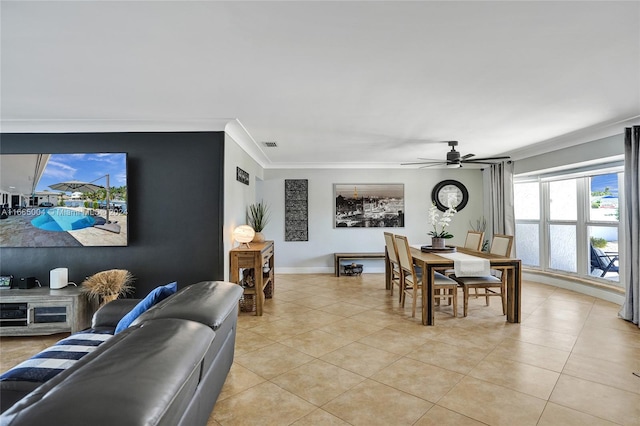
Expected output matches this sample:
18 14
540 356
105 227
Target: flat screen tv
63 200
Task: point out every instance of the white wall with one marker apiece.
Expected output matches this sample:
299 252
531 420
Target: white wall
316 255
237 195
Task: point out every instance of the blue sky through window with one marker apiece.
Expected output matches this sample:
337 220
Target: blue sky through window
600 182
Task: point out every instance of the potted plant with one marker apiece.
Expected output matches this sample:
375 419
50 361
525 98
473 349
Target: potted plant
258 216
440 224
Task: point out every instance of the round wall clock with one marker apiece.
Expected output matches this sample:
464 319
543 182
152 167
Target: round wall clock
450 188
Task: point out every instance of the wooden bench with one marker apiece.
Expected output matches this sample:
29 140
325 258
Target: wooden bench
337 257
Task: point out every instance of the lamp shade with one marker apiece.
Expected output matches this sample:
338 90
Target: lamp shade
243 234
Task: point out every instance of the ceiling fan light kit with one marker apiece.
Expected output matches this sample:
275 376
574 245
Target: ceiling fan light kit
454 160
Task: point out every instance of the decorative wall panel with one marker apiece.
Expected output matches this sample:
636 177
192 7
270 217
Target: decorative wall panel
296 210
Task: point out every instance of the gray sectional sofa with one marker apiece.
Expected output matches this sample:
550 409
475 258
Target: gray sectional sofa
167 368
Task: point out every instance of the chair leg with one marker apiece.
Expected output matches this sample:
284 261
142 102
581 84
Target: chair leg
504 299
465 291
415 296
454 296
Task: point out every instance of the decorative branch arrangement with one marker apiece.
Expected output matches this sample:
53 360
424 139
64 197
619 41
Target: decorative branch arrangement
106 286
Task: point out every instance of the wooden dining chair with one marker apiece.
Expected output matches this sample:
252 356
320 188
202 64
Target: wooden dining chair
474 240
444 287
394 265
490 284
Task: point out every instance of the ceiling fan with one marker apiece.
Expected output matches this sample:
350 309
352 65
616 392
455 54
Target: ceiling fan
455 160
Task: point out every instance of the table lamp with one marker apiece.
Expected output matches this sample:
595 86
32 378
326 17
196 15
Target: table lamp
244 234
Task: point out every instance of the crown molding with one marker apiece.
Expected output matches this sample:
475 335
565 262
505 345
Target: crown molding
588 134
113 126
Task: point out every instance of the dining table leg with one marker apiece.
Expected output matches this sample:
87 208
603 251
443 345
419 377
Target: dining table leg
514 293
428 277
387 271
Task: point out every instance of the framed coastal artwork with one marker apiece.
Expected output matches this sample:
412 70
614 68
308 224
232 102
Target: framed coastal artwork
369 205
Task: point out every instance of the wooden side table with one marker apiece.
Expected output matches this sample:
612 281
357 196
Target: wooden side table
257 260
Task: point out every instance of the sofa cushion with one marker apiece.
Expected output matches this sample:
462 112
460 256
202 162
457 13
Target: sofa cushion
207 302
110 314
158 294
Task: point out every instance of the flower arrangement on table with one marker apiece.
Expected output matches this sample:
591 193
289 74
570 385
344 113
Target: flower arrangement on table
440 224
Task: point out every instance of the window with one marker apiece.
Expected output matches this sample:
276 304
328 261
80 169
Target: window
527 210
569 223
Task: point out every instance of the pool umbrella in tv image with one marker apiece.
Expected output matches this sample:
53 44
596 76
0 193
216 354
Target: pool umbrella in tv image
78 186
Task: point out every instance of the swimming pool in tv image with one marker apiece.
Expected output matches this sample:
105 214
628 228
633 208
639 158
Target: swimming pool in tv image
60 219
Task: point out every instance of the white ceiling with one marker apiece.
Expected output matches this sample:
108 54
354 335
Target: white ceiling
333 83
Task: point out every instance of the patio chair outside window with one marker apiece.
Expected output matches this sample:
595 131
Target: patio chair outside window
603 261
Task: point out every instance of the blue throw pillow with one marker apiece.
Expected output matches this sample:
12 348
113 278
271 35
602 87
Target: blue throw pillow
158 294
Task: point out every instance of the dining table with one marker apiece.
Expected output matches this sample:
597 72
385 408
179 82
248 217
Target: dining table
431 262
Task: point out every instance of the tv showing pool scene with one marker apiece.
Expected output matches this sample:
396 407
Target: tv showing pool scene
63 200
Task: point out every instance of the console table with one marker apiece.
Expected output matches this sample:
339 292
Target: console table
257 260
41 311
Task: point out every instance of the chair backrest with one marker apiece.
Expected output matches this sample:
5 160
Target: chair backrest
392 251
603 261
501 245
404 254
474 240
596 260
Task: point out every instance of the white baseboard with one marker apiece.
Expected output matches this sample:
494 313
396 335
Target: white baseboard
324 270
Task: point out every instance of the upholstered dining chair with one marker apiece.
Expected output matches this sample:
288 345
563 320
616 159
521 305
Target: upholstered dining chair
444 287
474 240
394 265
491 284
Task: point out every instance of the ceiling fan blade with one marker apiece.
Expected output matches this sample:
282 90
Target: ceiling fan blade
430 159
464 157
421 162
478 162
490 158
433 165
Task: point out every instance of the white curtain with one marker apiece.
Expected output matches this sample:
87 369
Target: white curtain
502 211
631 250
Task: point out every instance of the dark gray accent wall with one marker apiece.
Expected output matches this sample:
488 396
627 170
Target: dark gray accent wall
175 190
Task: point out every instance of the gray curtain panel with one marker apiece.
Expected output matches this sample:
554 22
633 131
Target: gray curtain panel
502 210
630 255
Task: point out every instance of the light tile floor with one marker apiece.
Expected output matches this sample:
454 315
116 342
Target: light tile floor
341 351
